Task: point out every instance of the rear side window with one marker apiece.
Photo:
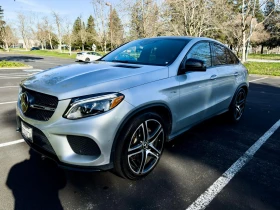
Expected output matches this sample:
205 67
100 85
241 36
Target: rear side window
202 52
231 58
219 55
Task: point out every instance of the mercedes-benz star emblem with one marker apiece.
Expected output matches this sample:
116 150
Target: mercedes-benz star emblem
24 103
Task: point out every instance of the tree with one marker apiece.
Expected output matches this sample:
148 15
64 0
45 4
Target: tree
39 32
2 24
100 16
24 29
49 30
272 24
259 36
90 29
76 30
58 22
117 29
195 17
259 13
144 19
80 33
1 13
68 36
8 37
83 35
248 23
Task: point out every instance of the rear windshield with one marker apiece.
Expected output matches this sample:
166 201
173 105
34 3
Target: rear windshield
160 52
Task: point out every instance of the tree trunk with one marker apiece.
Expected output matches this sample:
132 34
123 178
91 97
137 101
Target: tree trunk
83 47
69 49
243 46
7 47
59 46
50 40
25 44
262 49
237 52
105 43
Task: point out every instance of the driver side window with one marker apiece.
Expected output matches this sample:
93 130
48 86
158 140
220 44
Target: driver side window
202 52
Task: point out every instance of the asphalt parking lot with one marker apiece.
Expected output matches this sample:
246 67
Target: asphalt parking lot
189 166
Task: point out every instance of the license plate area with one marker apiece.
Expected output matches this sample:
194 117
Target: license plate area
26 132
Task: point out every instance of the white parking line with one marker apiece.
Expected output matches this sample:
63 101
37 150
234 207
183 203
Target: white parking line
10 102
204 200
11 77
33 70
258 79
47 62
9 87
14 74
11 143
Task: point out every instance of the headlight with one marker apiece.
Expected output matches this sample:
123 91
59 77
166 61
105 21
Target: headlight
89 106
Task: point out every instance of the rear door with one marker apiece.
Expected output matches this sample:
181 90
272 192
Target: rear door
227 71
196 88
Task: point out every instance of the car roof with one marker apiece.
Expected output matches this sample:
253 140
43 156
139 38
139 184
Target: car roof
189 38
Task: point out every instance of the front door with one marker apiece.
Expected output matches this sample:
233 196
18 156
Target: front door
196 89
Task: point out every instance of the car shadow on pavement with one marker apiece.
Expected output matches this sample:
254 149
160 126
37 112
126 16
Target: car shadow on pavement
35 183
20 58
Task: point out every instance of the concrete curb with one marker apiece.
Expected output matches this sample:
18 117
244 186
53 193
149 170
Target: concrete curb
262 60
264 75
18 68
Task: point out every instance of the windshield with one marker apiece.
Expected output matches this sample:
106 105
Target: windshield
160 52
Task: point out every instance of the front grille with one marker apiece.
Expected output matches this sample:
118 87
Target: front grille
41 99
83 145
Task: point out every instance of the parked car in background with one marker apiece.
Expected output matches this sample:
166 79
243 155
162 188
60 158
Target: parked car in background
120 111
88 56
34 48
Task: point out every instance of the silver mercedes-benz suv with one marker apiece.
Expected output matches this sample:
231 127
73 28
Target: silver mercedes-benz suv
118 112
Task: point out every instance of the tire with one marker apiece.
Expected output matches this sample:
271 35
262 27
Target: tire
136 155
87 60
237 105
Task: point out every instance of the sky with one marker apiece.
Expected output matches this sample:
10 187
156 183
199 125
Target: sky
67 8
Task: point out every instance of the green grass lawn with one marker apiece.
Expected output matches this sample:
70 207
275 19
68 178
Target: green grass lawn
263 68
52 53
265 56
11 64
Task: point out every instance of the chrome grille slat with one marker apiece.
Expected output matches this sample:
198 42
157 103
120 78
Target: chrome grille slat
43 106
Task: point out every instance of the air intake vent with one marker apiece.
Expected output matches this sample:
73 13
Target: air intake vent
83 146
127 66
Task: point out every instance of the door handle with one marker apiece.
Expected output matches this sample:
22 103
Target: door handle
214 76
236 74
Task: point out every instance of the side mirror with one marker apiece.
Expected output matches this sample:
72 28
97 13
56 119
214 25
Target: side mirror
194 65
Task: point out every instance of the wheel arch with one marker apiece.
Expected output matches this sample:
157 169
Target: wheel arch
242 85
160 108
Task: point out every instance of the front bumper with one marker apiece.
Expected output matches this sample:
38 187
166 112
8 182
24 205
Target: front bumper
100 128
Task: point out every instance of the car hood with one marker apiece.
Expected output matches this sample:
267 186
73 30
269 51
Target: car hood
85 79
